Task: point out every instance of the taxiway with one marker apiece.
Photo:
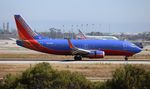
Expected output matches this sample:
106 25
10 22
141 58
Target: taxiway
76 62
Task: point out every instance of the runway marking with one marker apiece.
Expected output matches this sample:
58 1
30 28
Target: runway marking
78 62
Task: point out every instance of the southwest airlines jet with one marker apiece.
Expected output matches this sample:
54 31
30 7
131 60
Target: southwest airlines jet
89 48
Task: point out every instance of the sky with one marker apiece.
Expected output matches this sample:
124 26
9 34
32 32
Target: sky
100 15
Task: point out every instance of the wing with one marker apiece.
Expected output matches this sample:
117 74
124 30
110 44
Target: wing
76 50
86 53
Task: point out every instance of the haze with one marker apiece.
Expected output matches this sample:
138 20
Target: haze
106 15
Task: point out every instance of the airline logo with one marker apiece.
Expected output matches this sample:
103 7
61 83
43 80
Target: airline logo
25 26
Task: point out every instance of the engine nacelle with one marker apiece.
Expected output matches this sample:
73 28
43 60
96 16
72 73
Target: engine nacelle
96 54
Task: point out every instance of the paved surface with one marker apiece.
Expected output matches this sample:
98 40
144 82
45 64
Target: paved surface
79 62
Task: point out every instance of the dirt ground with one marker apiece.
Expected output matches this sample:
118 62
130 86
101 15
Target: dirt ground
91 71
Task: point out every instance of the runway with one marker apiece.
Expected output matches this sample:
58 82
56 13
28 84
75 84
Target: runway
78 62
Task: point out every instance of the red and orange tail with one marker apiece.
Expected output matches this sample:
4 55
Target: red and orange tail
24 31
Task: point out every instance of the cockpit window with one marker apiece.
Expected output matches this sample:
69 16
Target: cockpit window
133 45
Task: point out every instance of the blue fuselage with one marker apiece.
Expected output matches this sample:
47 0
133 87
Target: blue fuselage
110 47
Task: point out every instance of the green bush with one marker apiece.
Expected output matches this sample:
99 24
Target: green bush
128 77
9 82
42 76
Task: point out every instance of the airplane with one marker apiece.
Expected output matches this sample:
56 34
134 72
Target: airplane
89 48
81 35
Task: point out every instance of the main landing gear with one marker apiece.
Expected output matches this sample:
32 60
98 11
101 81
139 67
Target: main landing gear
77 57
126 58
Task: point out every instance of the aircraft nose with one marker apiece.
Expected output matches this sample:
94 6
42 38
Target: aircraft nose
138 49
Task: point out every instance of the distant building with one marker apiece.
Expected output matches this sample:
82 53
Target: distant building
6 28
5 32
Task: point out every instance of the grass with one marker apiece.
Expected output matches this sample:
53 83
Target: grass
91 71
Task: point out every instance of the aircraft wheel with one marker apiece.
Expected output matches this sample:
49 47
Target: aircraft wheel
77 57
126 58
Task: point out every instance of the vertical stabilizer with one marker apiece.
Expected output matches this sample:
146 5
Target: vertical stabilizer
80 35
24 31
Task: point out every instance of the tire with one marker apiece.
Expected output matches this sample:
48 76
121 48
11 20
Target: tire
126 58
77 57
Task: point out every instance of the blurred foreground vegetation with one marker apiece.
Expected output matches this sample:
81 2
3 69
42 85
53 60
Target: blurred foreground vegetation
42 76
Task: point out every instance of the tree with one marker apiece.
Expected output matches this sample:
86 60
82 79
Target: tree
42 76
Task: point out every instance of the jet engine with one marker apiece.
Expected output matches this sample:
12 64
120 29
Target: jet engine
96 54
